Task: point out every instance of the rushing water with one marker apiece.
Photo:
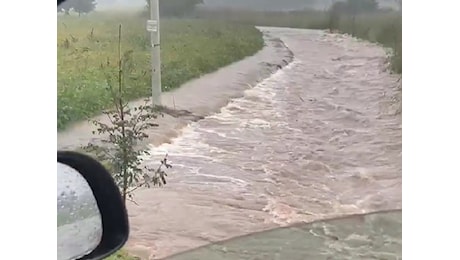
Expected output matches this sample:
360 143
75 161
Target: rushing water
317 139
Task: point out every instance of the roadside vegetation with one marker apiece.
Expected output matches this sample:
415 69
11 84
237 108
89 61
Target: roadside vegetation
122 255
359 18
190 48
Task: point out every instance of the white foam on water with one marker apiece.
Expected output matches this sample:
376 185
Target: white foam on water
226 179
213 131
190 142
255 123
252 114
286 126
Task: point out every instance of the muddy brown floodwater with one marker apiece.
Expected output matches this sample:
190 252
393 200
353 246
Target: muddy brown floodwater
317 139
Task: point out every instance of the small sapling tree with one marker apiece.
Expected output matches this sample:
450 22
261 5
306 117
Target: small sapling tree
124 131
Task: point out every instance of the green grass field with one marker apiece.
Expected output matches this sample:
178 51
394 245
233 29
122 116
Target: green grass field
189 48
382 27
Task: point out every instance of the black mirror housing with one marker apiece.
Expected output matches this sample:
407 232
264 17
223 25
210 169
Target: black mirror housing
113 212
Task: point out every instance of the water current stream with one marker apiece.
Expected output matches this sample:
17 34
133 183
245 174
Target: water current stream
319 138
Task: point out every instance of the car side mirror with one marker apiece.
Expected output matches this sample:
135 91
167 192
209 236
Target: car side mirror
92 222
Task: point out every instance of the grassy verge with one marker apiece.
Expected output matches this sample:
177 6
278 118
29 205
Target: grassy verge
383 27
190 48
121 255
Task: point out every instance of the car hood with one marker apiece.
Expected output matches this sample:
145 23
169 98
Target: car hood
367 236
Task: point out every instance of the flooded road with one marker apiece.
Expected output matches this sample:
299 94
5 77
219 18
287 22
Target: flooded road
317 139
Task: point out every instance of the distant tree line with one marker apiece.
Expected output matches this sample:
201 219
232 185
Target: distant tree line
176 8
263 5
354 7
78 6
350 8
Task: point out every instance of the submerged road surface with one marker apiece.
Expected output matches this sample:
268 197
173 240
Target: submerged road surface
317 139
